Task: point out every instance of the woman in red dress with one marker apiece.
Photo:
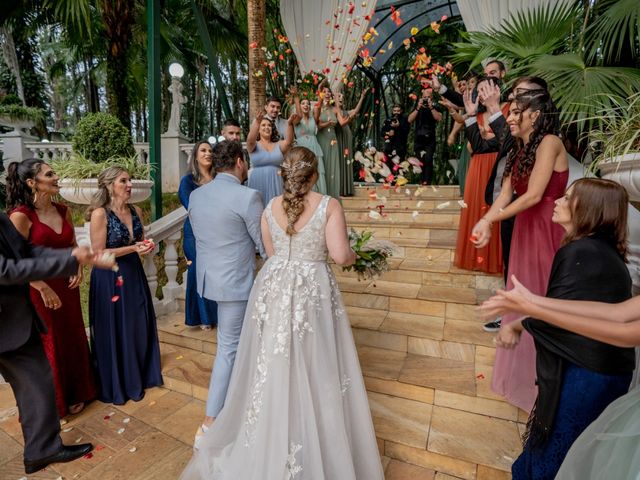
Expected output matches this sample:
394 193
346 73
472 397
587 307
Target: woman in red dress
537 171
31 185
488 258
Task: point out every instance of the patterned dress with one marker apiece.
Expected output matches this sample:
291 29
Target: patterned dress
299 408
124 336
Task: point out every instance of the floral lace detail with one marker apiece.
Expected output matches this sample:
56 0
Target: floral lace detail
344 385
292 468
282 308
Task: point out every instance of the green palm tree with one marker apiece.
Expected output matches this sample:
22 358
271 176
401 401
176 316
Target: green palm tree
573 47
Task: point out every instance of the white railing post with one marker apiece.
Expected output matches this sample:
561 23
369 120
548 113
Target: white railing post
151 272
172 289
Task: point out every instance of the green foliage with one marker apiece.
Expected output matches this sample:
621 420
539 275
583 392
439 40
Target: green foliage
619 128
575 47
18 112
11 99
100 136
79 167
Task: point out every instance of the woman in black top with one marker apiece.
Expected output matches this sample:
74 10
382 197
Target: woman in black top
577 377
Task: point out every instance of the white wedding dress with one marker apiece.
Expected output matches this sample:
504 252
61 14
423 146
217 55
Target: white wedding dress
296 408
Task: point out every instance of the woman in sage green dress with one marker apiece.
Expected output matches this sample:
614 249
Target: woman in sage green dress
345 142
325 115
306 130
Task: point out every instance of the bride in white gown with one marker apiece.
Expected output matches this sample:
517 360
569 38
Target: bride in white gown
296 408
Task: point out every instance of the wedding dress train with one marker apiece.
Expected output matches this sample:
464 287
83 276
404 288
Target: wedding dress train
296 408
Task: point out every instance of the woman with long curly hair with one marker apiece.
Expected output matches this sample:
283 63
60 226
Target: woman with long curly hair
536 171
266 152
31 187
298 402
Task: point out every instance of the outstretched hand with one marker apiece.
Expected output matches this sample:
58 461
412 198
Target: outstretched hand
470 105
517 300
294 118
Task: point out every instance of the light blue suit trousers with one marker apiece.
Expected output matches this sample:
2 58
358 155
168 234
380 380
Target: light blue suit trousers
230 318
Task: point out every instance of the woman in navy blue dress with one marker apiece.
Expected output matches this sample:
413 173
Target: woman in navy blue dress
197 310
124 337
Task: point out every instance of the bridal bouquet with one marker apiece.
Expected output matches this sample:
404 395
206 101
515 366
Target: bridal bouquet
371 255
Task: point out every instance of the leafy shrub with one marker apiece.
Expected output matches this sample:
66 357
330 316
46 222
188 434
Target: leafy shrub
100 136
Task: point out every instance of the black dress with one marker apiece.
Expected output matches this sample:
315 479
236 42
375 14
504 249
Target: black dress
124 335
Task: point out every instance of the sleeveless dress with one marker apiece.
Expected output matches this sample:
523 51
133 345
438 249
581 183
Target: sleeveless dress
296 406
65 342
610 447
265 172
306 137
197 310
329 143
534 243
345 148
489 258
124 336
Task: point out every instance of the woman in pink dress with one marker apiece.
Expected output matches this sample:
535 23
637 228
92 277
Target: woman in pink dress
31 185
536 173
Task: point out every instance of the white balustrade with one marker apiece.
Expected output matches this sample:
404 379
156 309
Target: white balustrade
167 230
49 150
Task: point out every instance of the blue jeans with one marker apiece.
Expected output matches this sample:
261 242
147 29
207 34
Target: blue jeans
230 319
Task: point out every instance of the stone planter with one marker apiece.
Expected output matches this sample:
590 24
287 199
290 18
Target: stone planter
82 191
625 170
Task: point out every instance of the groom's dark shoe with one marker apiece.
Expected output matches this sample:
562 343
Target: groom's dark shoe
67 453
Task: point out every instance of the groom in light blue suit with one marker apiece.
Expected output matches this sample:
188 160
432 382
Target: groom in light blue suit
225 216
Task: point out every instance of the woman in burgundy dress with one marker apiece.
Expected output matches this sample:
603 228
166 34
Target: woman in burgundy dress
31 185
537 171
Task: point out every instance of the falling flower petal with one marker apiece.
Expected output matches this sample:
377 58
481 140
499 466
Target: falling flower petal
126 420
88 456
415 214
414 31
132 449
120 431
253 45
67 429
473 238
78 440
480 260
462 204
443 205
419 204
119 281
480 376
115 298
374 215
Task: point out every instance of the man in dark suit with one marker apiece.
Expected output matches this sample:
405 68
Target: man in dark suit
22 359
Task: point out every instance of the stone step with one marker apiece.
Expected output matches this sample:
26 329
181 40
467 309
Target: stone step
415 401
433 206
424 192
398 215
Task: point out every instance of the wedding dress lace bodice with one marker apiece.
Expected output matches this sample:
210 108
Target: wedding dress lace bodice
309 244
296 407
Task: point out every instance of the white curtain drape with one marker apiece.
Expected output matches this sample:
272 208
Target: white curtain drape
481 15
325 35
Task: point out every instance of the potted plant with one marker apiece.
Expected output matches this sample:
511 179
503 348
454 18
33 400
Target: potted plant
616 141
100 141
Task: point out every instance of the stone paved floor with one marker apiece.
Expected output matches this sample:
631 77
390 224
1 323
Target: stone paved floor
145 440
151 440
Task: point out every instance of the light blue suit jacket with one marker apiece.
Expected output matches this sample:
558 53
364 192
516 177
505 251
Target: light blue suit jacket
225 217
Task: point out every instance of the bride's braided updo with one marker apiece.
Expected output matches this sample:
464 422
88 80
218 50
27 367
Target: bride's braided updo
299 170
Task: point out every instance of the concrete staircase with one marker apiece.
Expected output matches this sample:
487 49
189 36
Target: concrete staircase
426 360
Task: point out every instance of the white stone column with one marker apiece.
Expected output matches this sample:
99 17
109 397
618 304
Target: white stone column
172 289
15 146
174 161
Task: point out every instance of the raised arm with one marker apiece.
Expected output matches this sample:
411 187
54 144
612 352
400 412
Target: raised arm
356 110
288 140
254 132
336 235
